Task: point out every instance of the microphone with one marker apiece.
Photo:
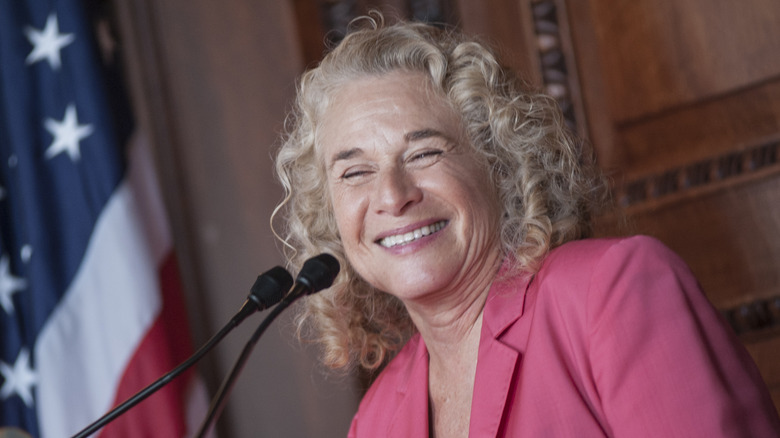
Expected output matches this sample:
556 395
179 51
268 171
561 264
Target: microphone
268 289
317 273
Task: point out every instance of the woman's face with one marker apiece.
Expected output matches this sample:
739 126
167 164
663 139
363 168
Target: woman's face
415 209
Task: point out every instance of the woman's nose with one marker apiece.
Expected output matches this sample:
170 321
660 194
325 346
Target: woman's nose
396 191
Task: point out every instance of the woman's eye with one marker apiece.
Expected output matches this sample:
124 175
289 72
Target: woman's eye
426 154
351 174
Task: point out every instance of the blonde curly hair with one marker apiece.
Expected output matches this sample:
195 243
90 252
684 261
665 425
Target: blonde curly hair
547 182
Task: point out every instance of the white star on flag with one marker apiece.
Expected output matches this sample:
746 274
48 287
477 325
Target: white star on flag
67 134
8 285
48 42
26 253
19 379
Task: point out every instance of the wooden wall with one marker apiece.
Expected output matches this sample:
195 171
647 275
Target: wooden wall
681 100
688 102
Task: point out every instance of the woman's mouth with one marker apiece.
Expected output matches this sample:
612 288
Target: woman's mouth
411 236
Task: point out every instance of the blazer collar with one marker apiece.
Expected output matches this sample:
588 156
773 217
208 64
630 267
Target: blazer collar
411 417
497 360
506 300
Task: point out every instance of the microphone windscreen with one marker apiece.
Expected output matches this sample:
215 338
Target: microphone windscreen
318 272
270 287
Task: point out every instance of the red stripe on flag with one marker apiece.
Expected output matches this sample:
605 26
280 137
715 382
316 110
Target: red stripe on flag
165 346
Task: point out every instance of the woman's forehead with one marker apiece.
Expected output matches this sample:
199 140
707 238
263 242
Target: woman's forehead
402 99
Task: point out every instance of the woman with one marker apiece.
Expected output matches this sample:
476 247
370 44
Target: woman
457 205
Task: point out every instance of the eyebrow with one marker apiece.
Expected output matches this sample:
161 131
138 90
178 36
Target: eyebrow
422 134
344 155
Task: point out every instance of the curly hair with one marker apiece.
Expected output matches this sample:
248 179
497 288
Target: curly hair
547 181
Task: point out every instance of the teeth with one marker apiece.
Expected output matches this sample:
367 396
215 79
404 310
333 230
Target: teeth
400 239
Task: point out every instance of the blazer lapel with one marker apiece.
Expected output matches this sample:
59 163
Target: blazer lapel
497 362
411 417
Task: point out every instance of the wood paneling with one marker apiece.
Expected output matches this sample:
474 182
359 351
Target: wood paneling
696 132
322 23
727 237
511 32
665 53
689 126
682 104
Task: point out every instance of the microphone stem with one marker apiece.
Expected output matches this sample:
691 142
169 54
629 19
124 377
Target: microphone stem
218 402
162 381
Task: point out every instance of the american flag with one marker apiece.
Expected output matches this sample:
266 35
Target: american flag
90 304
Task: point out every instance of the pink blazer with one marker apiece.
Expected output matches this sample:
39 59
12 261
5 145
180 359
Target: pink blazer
610 338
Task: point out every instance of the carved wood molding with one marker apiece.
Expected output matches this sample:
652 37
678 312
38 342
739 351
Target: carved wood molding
556 60
754 317
712 172
335 15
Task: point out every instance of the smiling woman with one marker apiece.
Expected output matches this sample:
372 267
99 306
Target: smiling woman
458 206
410 167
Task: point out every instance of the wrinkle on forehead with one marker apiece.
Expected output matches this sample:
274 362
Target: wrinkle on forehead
346 98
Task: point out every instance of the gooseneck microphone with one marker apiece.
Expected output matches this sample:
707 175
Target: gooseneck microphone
268 289
316 274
